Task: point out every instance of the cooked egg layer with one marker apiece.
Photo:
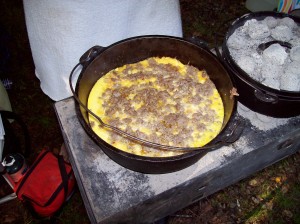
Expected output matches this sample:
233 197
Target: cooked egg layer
160 100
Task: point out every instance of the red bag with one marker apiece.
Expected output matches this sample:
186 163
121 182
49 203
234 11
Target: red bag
47 184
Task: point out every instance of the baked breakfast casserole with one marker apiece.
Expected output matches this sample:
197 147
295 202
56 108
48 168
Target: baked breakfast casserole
159 100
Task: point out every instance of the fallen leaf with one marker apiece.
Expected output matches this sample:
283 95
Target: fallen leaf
287 213
278 179
269 205
253 182
255 200
233 92
284 189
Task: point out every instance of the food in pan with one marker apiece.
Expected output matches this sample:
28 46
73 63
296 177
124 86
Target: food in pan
159 100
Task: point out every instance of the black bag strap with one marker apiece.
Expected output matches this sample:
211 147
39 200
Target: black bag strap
6 115
64 174
30 170
64 178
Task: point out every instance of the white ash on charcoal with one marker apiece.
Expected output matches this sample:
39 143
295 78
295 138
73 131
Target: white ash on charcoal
275 55
282 33
288 22
271 22
290 79
295 53
257 30
276 66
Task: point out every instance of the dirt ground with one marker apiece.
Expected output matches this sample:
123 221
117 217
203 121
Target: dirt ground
270 196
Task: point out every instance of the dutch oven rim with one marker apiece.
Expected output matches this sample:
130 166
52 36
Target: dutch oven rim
185 155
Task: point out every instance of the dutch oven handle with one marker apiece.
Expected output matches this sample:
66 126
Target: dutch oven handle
265 97
199 42
90 55
84 61
234 130
264 46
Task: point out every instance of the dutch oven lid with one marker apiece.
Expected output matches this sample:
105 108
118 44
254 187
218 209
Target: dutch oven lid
238 71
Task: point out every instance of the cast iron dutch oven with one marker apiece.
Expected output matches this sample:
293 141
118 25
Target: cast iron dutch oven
253 94
97 61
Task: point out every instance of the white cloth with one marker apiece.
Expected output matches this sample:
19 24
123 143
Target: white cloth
60 31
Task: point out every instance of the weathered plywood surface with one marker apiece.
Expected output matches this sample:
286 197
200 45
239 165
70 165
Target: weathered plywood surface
113 193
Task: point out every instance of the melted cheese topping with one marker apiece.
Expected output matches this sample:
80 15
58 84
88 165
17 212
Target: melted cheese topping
160 100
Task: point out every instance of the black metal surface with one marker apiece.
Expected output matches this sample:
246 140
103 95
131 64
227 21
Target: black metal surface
139 48
253 94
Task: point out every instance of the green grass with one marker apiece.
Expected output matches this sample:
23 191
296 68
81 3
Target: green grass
289 201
